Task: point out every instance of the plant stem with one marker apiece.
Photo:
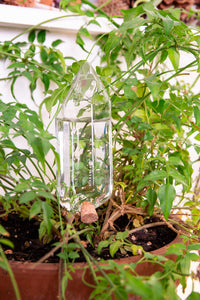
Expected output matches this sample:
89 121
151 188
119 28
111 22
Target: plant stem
91 259
41 23
98 9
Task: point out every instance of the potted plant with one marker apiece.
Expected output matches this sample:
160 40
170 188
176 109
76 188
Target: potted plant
155 123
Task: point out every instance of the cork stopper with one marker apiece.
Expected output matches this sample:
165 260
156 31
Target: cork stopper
88 212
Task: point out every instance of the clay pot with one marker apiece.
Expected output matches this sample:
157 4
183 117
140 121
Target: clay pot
26 3
46 2
42 281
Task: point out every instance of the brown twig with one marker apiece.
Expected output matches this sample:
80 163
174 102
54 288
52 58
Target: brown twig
108 212
150 225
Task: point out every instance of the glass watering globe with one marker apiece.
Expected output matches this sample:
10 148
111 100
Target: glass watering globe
84 135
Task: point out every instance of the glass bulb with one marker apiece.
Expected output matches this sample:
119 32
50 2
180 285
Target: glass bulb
84 135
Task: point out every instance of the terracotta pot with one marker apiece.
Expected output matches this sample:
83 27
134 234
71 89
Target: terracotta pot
26 3
46 2
41 282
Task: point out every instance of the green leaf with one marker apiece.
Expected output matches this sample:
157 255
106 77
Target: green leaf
101 245
151 197
47 214
3 231
178 176
21 186
56 43
166 195
129 93
197 114
31 36
154 87
197 137
85 32
7 243
164 55
35 209
174 56
17 65
156 175
41 36
42 229
168 24
27 196
40 147
135 248
185 263
137 286
114 247
43 55
193 296
45 80
27 75
177 249
194 247
80 41
122 235
175 161
46 195
73 255
93 22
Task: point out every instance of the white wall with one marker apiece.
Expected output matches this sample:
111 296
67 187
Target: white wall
14 20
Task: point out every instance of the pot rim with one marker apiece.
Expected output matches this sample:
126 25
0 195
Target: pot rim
125 260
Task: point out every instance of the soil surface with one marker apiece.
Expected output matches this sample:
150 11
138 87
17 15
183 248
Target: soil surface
24 236
28 247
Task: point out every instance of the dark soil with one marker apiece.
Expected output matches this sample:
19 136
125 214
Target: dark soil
24 235
28 247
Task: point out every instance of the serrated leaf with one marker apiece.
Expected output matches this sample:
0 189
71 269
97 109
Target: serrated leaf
21 187
35 209
194 247
73 255
177 249
178 176
166 195
156 175
47 214
168 24
154 88
175 161
46 195
27 196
